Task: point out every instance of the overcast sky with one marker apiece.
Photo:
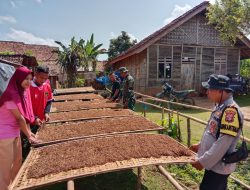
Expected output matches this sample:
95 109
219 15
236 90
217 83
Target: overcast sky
44 21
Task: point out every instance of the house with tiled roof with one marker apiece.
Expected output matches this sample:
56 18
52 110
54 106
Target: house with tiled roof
44 55
18 60
184 53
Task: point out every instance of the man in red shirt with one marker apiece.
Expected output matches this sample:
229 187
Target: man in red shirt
41 95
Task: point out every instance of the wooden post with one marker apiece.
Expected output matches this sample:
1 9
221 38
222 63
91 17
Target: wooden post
144 109
139 179
188 132
162 116
70 185
169 119
178 126
170 178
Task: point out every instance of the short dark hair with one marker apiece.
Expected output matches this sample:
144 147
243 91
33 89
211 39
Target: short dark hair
42 69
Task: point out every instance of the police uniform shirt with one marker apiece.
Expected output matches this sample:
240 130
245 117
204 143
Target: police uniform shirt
212 149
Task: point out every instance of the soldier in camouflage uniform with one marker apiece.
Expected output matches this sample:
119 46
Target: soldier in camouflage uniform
220 136
127 88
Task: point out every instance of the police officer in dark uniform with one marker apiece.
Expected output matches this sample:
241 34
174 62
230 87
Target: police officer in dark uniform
128 96
220 136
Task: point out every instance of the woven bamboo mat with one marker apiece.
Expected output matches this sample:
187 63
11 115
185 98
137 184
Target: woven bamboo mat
44 143
63 120
74 90
22 182
86 96
93 136
83 119
83 106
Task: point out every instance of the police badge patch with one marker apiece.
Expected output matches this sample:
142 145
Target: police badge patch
230 122
230 115
213 127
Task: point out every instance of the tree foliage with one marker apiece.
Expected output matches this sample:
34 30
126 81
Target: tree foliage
69 59
78 54
90 52
120 44
245 68
231 18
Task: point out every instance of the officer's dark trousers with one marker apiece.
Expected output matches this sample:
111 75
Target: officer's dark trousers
213 181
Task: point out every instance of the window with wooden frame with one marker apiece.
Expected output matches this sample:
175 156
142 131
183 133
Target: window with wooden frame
165 61
220 59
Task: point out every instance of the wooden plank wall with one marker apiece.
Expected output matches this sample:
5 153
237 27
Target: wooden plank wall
233 61
137 66
197 82
207 67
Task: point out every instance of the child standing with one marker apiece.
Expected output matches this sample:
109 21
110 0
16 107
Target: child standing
41 98
41 95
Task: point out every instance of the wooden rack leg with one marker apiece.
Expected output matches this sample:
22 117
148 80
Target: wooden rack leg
70 185
139 179
188 132
179 128
162 116
170 178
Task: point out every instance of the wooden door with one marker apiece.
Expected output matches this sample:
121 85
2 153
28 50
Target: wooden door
187 76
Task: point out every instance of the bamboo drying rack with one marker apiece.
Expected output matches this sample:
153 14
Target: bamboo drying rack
71 97
130 113
21 182
157 128
111 106
74 90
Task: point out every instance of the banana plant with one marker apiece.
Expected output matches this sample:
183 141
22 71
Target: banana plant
90 52
69 58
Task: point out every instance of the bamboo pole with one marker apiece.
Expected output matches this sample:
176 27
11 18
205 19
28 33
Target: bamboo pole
170 178
186 116
144 108
70 185
169 120
240 182
181 114
178 126
175 103
139 179
188 133
162 116
180 104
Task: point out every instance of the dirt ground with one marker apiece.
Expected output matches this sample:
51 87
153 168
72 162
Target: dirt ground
91 152
98 126
78 105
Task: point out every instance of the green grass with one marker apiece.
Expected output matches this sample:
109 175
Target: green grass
121 180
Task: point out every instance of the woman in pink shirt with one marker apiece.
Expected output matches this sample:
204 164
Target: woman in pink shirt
16 113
